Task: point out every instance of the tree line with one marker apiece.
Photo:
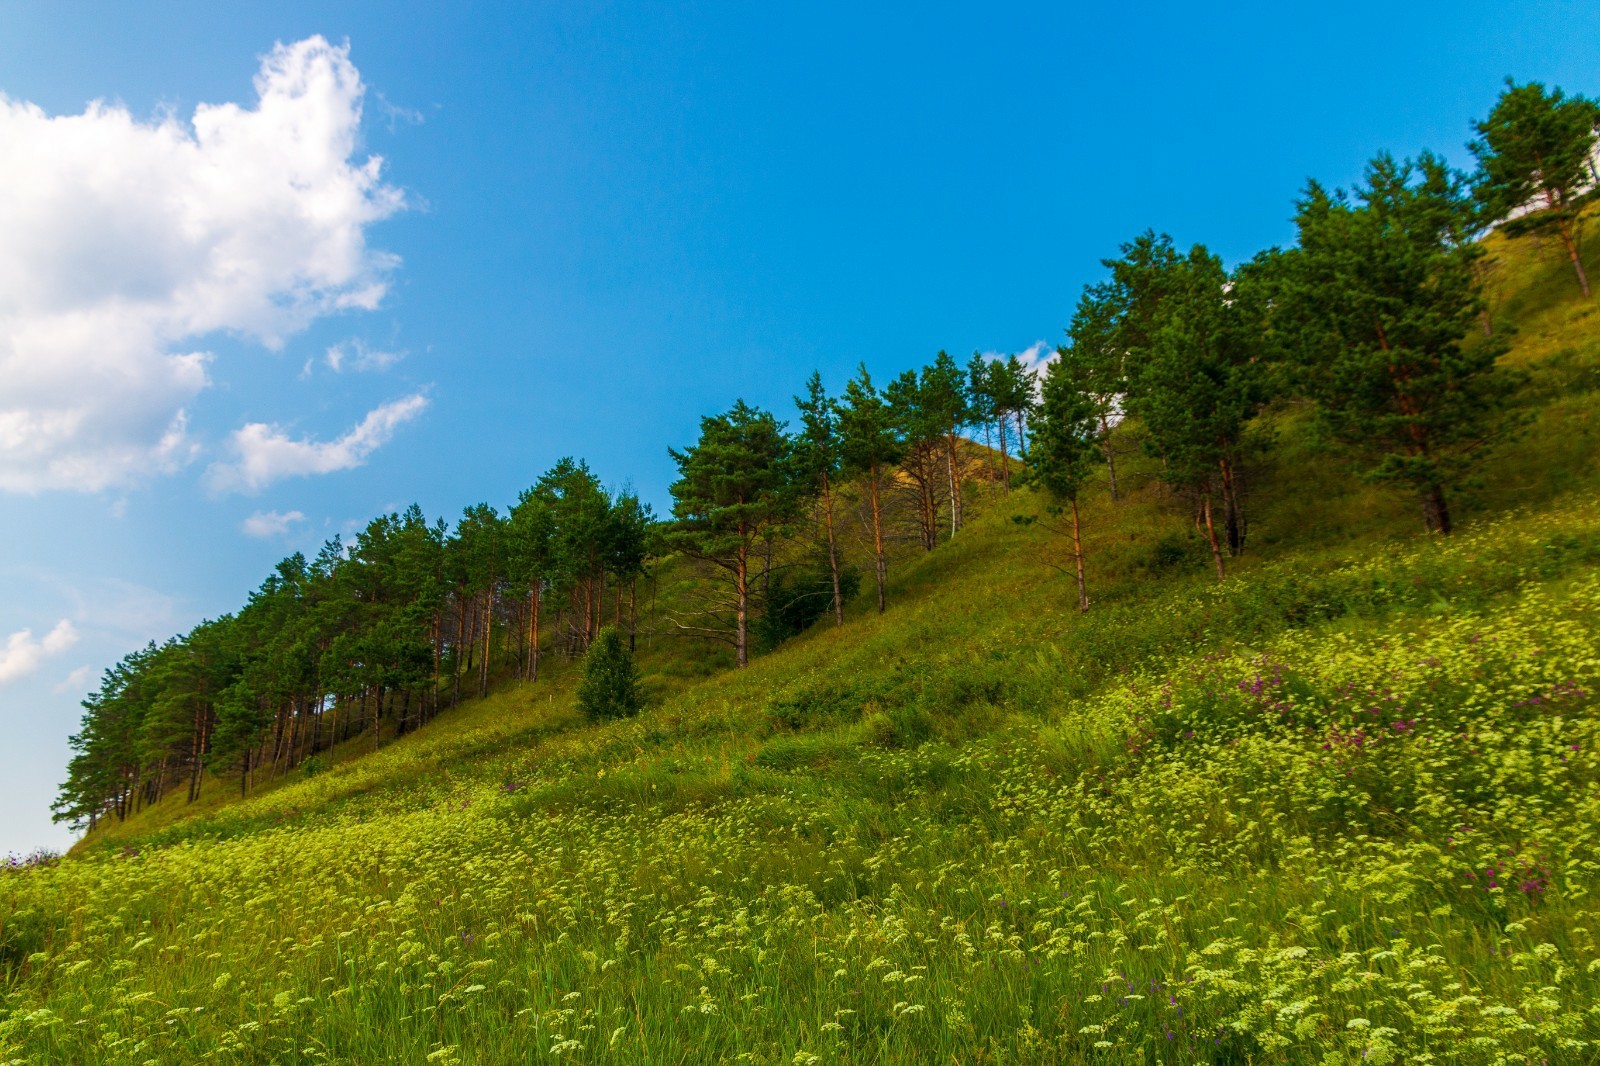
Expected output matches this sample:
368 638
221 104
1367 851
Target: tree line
1375 317
405 619
1370 317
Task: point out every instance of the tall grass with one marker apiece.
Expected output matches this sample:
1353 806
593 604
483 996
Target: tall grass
1340 809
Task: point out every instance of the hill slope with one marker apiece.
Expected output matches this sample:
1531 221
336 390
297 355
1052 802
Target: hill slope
1342 808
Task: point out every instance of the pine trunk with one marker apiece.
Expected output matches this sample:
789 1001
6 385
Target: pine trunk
488 629
742 591
1233 515
1569 238
833 553
1111 462
1077 557
533 633
1211 537
880 566
1005 458
1436 511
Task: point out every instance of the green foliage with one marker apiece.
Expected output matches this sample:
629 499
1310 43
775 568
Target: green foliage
1173 551
867 428
1534 146
609 687
1339 809
794 599
1199 382
818 448
735 487
1378 302
869 443
1280 874
733 484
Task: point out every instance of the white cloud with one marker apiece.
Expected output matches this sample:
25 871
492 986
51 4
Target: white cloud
76 681
265 453
1035 356
22 654
354 354
127 242
271 523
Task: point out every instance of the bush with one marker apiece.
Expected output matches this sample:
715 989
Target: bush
1171 552
313 765
795 600
610 684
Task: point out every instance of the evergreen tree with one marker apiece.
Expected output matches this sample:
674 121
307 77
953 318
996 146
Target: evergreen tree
609 687
1377 301
817 457
581 511
917 426
1066 443
1198 385
1095 352
947 407
733 490
478 551
625 546
1127 304
530 553
870 446
1015 390
1536 148
983 409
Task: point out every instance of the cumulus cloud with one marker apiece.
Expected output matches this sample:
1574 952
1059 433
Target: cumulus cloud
271 523
1035 356
128 241
264 453
22 654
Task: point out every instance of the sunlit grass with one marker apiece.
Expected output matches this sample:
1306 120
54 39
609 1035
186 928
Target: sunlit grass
1344 808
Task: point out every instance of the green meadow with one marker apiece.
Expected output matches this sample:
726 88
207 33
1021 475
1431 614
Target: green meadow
1341 808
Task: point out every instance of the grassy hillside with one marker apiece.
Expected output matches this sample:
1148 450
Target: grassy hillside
1340 809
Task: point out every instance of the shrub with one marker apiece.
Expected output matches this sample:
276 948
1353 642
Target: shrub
1174 551
795 600
610 684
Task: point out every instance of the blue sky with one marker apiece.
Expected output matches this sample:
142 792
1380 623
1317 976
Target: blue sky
593 223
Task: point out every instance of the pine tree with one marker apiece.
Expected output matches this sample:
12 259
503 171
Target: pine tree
1066 443
734 488
948 408
983 409
1377 302
1197 386
609 687
1536 148
479 551
870 447
530 553
626 540
817 458
1095 351
917 427
580 513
